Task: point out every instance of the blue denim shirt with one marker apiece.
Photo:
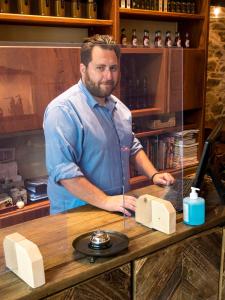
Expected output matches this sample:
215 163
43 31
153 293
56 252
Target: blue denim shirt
86 139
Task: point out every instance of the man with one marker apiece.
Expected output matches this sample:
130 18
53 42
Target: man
89 139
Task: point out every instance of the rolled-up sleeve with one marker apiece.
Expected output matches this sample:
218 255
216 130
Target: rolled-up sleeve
136 146
63 137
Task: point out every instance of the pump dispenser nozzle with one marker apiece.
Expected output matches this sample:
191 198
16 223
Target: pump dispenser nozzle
194 194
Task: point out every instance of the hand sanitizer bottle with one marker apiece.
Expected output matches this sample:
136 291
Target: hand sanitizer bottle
194 209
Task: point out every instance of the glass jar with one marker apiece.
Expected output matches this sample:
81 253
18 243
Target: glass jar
24 7
91 9
44 7
59 8
4 6
75 8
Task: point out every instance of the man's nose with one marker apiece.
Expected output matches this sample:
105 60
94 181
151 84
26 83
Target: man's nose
108 74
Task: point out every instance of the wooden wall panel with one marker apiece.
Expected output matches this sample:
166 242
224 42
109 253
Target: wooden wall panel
187 270
32 77
115 284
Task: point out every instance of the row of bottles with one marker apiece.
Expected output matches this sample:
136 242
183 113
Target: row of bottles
135 93
77 8
157 42
180 6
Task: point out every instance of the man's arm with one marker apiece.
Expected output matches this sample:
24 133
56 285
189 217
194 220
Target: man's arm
81 188
145 166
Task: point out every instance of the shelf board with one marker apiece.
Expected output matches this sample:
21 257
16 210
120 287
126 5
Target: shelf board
145 112
52 21
159 131
158 15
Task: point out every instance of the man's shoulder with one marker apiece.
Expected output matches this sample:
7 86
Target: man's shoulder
119 104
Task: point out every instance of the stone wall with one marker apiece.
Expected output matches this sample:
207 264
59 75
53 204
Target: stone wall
215 93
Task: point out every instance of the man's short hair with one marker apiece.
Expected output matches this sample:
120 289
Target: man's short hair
103 41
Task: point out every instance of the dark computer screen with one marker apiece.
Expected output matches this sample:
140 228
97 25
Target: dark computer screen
208 164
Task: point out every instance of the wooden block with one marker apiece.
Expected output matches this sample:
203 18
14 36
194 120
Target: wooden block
156 213
24 258
143 213
9 250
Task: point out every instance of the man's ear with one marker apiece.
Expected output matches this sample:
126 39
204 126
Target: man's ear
82 69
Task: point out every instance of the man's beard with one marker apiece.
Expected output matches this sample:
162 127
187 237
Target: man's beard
97 90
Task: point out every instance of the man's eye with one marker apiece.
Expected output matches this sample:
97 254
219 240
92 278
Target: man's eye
113 68
100 68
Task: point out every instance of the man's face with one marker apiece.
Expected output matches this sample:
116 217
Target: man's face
102 73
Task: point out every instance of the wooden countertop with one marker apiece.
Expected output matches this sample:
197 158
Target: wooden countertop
64 268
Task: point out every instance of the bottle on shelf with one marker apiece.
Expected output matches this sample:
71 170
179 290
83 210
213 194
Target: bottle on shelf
188 6
136 4
193 7
4 6
187 40
178 6
177 40
91 9
23 7
146 38
123 38
75 8
128 4
148 4
143 4
172 6
168 41
134 39
159 40
122 3
183 6
44 7
59 8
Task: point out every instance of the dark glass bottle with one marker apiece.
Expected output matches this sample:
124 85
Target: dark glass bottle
187 40
168 41
134 39
184 6
44 7
91 9
147 4
193 7
142 4
24 7
146 38
172 6
59 8
75 8
129 98
177 41
123 38
4 6
178 6
137 94
159 41
188 5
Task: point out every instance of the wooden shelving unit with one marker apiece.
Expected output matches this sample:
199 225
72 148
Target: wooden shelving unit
52 21
194 62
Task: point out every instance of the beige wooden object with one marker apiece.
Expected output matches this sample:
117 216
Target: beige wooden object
24 258
156 213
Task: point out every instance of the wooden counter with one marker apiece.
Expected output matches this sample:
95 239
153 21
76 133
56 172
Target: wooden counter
70 275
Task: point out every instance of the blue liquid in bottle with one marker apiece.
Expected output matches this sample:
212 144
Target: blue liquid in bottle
194 209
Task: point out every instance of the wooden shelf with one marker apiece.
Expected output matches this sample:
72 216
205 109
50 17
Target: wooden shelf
153 132
52 21
30 211
145 112
158 15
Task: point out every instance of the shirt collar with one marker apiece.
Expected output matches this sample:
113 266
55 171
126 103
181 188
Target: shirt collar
110 102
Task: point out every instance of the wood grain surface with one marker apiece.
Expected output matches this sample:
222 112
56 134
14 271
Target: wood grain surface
64 268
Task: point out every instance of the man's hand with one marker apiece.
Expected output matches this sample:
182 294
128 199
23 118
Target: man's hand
163 178
120 203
